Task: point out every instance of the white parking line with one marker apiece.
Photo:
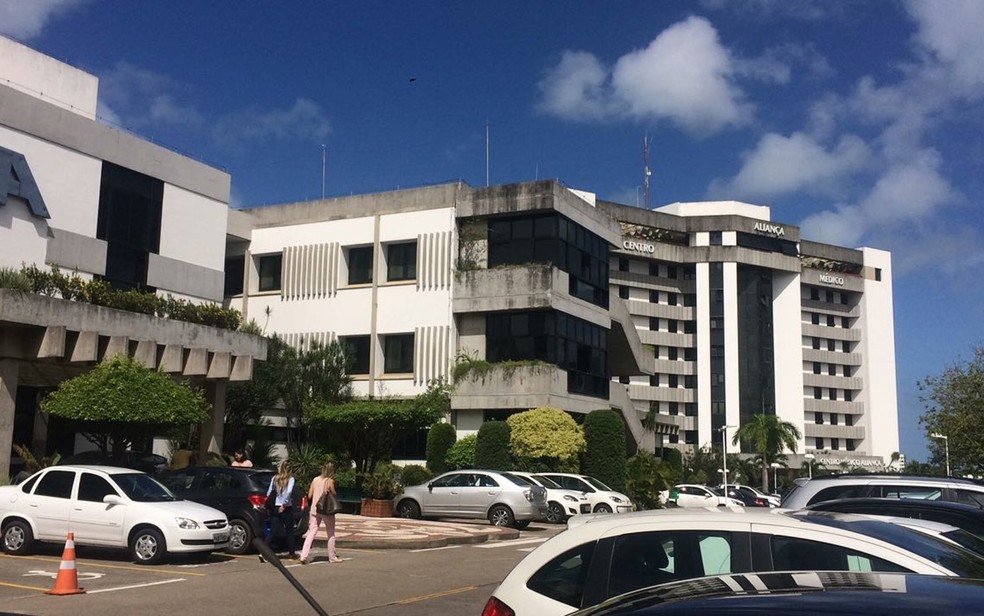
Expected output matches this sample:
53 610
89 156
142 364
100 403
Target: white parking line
92 592
444 547
508 544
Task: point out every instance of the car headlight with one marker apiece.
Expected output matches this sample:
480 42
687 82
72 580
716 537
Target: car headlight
568 497
186 523
616 499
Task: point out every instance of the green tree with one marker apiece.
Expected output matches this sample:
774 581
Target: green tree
768 436
492 447
604 457
369 429
316 376
954 403
462 453
546 439
646 477
120 403
440 438
246 402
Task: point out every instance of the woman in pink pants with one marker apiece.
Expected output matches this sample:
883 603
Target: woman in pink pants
320 484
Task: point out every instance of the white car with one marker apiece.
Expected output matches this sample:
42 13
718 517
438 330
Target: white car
605 556
602 498
694 495
561 504
107 506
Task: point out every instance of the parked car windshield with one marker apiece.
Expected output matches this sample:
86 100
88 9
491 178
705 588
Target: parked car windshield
546 482
597 484
957 559
142 488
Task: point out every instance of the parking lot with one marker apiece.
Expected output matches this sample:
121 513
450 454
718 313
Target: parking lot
453 579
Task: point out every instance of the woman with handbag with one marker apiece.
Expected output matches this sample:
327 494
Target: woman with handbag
324 506
281 510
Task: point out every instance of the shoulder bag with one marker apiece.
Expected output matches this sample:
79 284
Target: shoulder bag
328 504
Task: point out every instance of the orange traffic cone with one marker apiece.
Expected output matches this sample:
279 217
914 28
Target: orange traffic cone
67 582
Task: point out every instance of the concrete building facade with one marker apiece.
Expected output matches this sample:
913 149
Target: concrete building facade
101 203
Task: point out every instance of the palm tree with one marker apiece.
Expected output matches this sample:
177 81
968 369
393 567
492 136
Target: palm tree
768 436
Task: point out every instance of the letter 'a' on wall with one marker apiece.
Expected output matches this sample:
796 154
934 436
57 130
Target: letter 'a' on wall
16 179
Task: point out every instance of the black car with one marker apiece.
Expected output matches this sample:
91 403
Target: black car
808 593
748 497
967 517
238 492
150 463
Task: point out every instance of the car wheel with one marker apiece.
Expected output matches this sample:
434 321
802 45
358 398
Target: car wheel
17 537
555 513
602 508
147 546
500 515
240 537
408 509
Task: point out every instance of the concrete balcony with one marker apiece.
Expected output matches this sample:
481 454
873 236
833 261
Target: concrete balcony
843 407
522 387
831 333
831 431
830 357
828 381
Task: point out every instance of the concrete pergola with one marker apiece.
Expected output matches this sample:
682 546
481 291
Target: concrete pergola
46 340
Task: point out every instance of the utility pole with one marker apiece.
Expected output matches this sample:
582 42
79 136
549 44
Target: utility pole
486 152
645 163
324 163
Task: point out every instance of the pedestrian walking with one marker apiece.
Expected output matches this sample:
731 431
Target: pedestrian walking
282 513
319 485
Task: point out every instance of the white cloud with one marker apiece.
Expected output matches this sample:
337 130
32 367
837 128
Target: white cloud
685 76
783 165
25 19
951 31
142 100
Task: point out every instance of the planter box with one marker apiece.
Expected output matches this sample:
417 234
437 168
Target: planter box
373 508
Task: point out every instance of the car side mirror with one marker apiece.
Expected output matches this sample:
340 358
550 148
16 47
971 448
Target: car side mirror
113 499
430 487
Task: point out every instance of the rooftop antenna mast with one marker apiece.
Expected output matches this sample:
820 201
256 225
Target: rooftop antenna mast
645 162
324 161
486 152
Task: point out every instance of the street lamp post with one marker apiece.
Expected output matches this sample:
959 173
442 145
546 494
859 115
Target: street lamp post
775 477
724 456
946 449
809 462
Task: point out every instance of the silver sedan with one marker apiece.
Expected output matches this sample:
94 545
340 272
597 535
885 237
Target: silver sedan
501 498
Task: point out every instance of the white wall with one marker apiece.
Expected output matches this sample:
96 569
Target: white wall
41 76
787 330
880 393
193 228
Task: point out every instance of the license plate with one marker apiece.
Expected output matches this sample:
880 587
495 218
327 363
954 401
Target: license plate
220 537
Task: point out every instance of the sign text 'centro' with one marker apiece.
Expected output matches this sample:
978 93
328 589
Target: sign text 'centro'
775 230
638 246
837 280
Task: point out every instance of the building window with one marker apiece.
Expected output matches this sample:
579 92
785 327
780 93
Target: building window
401 261
690 327
831 394
848 420
623 265
832 369
673 353
833 419
847 398
690 381
398 354
819 444
815 294
671 272
831 345
817 393
816 343
690 354
674 408
357 353
624 380
234 271
830 320
270 267
674 381
623 292
878 274
360 265
653 269
656 352
129 221
845 346
653 324
672 326
716 238
818 419
671 299
654 380
654 297
816 367
690 409
835 443
830 297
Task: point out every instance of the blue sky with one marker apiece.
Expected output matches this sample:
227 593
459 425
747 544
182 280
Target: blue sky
860 121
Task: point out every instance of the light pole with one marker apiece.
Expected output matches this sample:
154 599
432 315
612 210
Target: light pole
809 457
724 455
775 477
946 449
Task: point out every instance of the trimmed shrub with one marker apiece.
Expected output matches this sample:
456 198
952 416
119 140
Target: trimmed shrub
440 438
546 439
492 446
415 475
462 453
604 456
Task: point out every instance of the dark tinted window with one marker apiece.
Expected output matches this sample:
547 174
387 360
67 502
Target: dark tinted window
360 265
562 579
234 272
791 554
646 559
27 485
401 261
94 488
179 481
969 497
129 220
357 351
456 480
270 267
57 484
842 491
398 351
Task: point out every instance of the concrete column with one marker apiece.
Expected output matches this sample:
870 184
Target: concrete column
39 438
211 433
8 397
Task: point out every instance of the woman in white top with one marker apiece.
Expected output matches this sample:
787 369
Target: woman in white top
281 489
319 485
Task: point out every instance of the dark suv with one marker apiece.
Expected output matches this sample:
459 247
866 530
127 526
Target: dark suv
240 493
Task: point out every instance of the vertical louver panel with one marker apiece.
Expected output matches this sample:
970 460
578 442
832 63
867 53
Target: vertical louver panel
310 271
433 260
304 341
431 353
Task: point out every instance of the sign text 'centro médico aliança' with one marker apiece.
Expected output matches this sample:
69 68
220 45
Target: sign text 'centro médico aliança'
775 230
638 246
